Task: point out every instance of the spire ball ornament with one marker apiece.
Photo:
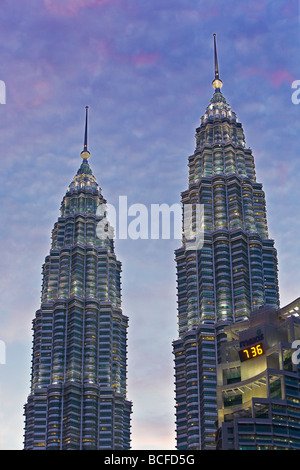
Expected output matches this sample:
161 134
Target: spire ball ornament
85 154
217 82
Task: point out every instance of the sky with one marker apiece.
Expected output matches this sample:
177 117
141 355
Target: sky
145 71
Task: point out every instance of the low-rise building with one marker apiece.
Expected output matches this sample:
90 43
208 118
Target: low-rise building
258 387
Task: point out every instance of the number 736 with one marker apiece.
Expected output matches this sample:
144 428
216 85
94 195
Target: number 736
255 351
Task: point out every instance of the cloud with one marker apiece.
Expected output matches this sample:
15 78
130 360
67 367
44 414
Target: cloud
71 7
143 58
277 78
280 77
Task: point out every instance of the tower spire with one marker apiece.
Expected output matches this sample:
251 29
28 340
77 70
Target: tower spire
217 82
85 154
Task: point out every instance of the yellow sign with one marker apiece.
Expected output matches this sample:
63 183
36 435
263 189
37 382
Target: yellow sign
251 352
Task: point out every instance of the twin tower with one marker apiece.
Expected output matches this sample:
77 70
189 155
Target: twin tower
78 396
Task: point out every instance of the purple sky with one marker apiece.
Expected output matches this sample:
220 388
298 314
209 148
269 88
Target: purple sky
145 69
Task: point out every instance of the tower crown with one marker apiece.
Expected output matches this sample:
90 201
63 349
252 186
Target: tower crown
84 180
218 107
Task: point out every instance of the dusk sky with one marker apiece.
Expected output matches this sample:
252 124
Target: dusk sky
145 70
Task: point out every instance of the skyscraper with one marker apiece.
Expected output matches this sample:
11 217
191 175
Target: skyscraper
233 273
79 359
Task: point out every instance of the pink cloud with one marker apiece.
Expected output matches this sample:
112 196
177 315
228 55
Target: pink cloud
42 92
139 59
144 59
30 87
281 76
288 10
71 7
276 78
